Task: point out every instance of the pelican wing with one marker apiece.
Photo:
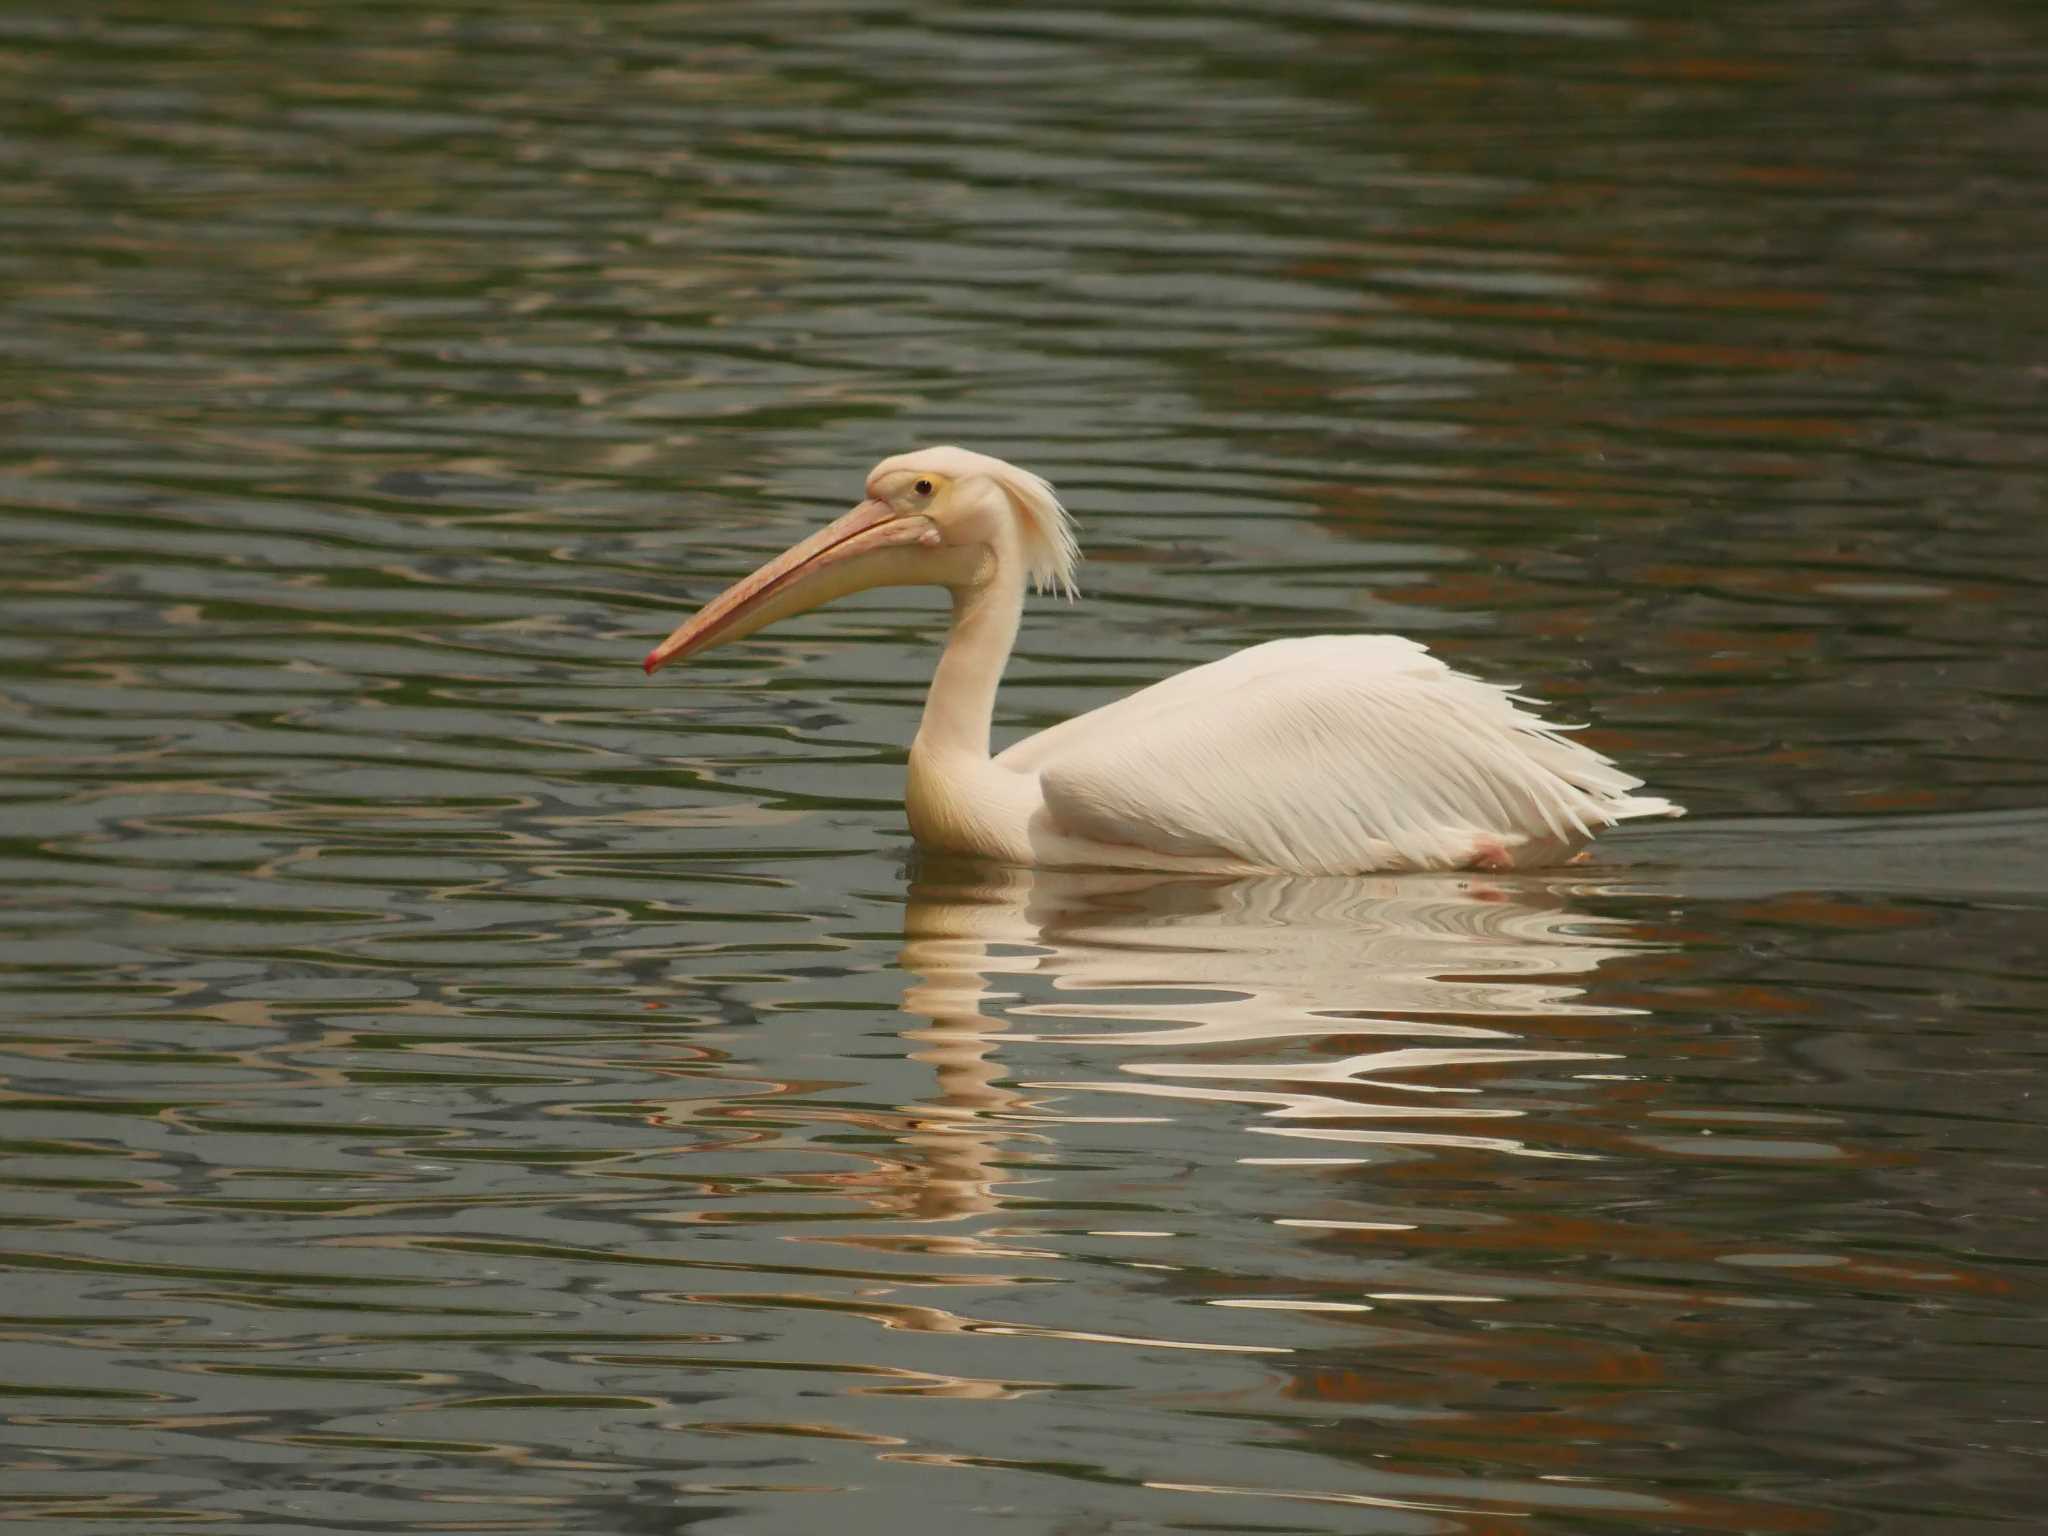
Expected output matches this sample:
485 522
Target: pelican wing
1337 754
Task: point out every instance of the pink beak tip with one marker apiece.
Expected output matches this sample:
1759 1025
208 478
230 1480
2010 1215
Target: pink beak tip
653 660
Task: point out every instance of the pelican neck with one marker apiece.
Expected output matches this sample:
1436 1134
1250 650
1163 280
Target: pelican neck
959 711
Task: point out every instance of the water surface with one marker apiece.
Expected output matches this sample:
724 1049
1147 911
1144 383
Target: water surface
452 1083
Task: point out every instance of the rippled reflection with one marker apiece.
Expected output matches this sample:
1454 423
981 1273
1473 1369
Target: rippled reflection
1397 1029
1259 977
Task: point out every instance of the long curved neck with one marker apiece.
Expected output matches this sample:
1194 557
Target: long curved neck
957 797
962 703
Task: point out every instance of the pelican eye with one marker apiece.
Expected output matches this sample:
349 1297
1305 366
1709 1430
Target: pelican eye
923 487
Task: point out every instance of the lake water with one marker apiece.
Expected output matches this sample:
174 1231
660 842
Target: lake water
453 1083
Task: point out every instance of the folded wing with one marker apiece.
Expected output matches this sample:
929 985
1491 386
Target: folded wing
1336 754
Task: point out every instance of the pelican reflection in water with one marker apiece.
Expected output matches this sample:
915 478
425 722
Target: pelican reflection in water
1332 754
1093 1033
1247 980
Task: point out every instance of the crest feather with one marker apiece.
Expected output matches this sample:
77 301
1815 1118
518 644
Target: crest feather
1051 552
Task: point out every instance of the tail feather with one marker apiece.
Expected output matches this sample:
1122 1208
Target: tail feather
1632 806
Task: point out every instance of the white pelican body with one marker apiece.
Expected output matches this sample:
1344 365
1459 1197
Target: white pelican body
1333 754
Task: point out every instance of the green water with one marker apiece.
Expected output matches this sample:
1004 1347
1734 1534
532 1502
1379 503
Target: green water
452 1083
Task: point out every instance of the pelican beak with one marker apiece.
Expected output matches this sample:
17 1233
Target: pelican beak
872 546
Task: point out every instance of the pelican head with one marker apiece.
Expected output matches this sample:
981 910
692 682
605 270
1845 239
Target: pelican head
934 517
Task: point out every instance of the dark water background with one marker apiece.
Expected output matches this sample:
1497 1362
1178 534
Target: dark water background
453 1084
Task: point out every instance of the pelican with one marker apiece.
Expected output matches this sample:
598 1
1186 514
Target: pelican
1326 755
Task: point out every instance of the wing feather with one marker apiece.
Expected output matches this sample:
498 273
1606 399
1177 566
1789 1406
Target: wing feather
1327 755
